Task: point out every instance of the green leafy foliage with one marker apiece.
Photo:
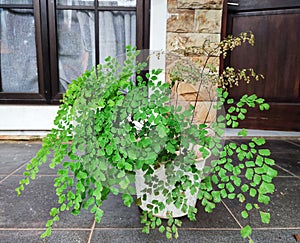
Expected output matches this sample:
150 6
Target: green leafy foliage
110 128
246 231
265 217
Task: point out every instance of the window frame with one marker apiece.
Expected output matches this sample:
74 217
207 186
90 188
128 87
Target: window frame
47 51
31 98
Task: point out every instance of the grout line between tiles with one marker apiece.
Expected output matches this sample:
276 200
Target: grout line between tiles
278 152
298 145
182 229
136 228
20 167
92 231
38 175
43 229
278 228
118 228
285 176
231 213
236 220
238 229
287 171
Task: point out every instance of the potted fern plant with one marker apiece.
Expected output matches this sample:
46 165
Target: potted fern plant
118 133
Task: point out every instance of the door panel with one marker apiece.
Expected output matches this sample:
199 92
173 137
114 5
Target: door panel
276 55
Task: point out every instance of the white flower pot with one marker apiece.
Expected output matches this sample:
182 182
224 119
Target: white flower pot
161 174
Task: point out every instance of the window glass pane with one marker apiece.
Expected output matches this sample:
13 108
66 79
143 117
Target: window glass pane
124 3
75 2
117 29
15 1
18 62
76 44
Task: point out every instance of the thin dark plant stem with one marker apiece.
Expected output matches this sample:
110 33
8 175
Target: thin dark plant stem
198 91
207 114
177 95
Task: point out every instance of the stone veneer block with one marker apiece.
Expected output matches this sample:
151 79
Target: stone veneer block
208 21
203 4
181 40
186 95
205 113
172 6
181 22
188 92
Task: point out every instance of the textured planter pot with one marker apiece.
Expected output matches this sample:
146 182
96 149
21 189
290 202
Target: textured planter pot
161 175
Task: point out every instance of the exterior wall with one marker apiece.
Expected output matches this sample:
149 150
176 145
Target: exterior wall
181 22
27 120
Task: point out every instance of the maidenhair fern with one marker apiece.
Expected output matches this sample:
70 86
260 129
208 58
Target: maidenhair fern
108 127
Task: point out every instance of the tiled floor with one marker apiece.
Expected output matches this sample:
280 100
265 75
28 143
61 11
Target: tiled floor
22 219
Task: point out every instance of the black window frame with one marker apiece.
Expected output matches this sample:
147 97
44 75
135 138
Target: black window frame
47 51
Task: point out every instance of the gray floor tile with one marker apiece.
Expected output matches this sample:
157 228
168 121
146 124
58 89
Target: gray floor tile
281 146
284 206
185 236
295 141
289 161
219 218
31 210
272 236
273 156
276 146
24 236
273 145
280 172
44 169
13 155
117 215
9 167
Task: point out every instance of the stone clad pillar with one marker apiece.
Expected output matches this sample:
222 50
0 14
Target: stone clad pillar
190 23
